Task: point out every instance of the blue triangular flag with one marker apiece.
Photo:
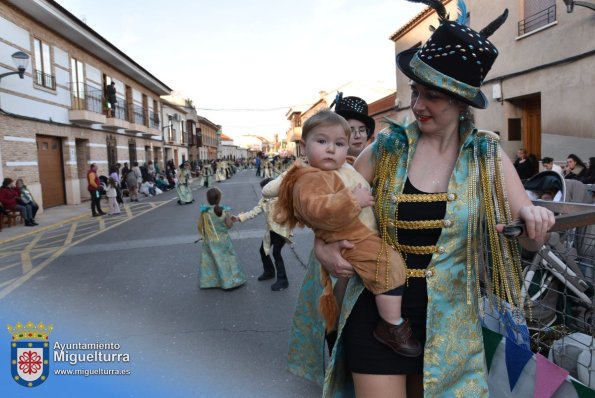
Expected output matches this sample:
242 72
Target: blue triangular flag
516 359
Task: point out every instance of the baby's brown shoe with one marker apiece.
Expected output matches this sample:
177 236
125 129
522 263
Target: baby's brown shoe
398 337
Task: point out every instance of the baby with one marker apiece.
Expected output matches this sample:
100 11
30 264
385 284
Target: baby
331 197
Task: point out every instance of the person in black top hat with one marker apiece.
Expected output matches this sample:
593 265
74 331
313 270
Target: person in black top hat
355 111
436 182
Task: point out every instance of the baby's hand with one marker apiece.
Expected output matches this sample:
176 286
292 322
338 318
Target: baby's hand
235 218
363 196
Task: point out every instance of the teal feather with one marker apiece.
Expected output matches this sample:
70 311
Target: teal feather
463 18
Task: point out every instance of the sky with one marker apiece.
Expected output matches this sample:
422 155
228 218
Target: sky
243 63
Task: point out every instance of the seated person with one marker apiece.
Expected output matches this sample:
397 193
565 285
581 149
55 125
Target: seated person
147 188
27 197
10 197
162 183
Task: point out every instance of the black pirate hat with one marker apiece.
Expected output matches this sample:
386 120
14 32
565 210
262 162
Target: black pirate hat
455 59
355 108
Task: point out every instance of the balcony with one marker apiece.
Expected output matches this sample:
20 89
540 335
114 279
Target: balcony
86 104
294 134
537 20
170 135
138 122
44 80
154 124
118 117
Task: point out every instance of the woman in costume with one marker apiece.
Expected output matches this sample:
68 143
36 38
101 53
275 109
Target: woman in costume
219 263
182 186
443 190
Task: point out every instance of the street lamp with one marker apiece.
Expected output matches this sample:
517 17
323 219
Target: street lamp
571 3
20 60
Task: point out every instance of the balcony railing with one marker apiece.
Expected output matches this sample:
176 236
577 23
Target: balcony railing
138 113
535 21
170 134
121 110
154 120
45 80
86 98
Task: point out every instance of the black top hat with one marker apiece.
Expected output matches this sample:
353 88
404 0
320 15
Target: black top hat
355 108
455 60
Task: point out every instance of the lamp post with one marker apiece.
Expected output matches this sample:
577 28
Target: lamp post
21 60
571 3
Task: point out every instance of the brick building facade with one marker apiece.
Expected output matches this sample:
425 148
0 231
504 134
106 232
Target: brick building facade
56 121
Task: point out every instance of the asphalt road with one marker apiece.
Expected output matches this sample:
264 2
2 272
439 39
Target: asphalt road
133 281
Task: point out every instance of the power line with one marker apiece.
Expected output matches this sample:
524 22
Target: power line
252 109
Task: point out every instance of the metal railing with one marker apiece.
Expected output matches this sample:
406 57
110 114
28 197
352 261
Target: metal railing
537 20
45 80
138 114
121 110
85 97
170 134
154 120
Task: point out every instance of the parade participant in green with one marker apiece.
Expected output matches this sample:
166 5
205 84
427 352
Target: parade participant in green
219 263
183 185
443 191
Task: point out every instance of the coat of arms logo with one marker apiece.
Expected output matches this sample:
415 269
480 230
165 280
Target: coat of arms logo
29 353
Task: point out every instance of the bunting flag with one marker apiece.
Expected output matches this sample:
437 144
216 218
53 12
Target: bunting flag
583 391
491 341
548 377
516 359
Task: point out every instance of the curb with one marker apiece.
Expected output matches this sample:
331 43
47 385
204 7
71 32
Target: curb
45 228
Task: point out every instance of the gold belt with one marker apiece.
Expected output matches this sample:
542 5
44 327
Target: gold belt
419 273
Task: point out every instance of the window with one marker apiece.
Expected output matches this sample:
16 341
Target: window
77 78
43 65
537 13
514 129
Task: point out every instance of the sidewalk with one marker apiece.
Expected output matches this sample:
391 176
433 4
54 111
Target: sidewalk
50 218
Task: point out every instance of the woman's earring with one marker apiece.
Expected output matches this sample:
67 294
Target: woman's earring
462 116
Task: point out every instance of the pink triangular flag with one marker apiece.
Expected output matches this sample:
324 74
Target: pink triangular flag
548 377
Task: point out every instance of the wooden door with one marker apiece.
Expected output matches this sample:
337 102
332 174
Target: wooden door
532 127
51 172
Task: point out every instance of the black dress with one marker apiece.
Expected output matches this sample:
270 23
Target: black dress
363 352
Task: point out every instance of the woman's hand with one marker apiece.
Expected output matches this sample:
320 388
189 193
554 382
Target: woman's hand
331 259
538 220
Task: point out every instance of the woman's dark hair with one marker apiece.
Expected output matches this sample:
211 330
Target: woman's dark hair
265 182
577 160
7 181
213 197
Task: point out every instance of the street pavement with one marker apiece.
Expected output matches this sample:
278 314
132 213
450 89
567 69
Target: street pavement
132 280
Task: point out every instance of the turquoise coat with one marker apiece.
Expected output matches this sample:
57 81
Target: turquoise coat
454 360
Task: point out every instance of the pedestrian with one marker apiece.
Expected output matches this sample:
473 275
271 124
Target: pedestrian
132 184
355 111
111 98
329 196
275 236
439 190
115 174
257 163
589 177
111 193
523 165
219 263
93 186
138 173
576 169
548 164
